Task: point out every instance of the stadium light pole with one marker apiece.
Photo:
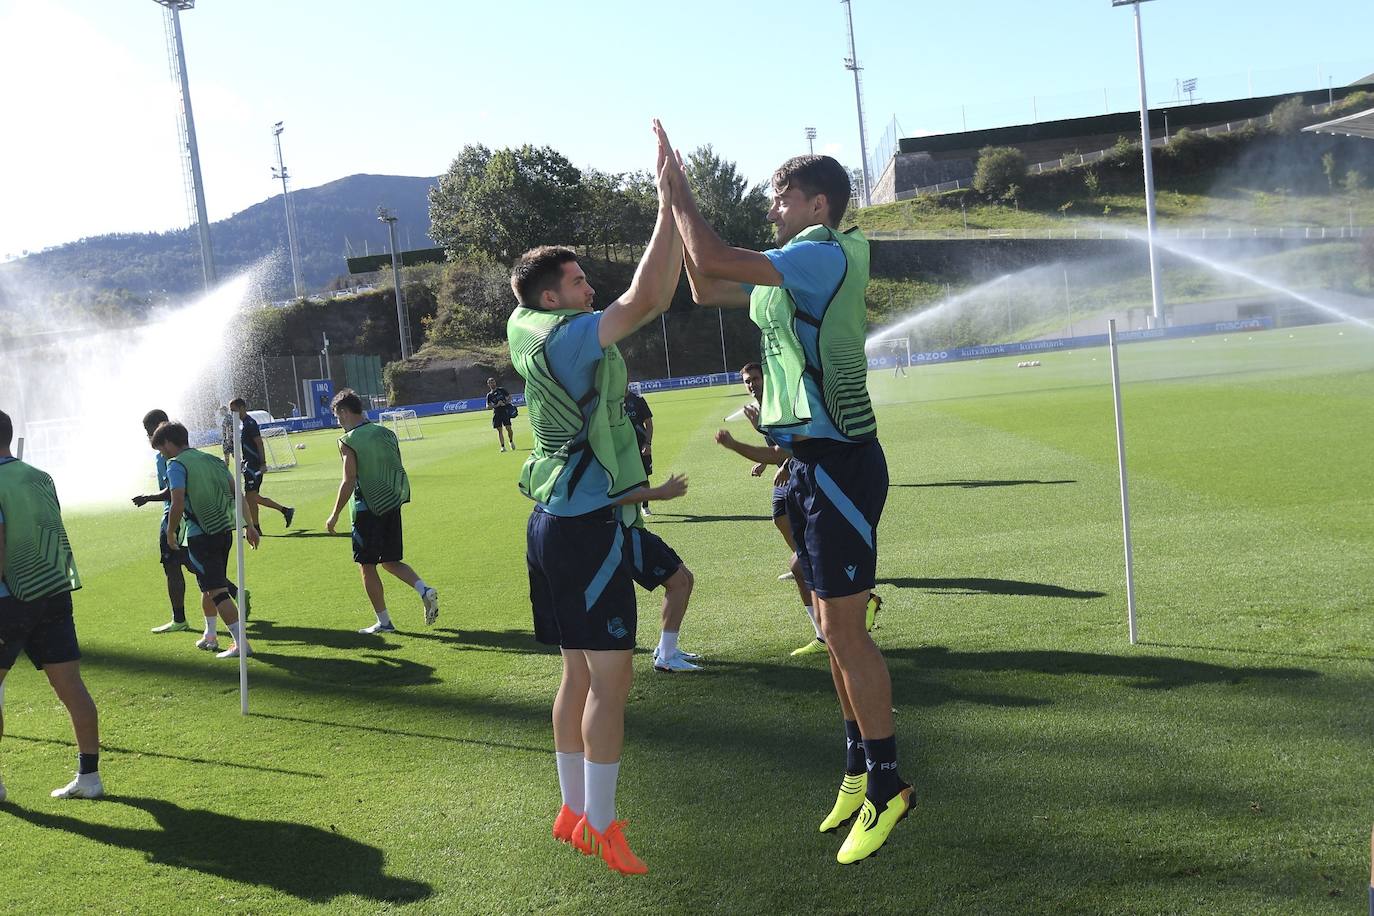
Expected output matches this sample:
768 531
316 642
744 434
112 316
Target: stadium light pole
402 323
811 140
292 250
851 63
1156 293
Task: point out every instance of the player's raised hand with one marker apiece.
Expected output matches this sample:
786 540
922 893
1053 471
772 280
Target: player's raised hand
140 501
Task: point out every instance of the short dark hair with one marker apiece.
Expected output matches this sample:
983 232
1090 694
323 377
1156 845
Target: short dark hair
174 433
6 430
747 366
152 418
813 175
538 271
348 399
236 403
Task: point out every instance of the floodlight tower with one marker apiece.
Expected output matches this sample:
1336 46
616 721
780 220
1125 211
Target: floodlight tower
851 63
811 140
402 319
190 153
1156 293
279 171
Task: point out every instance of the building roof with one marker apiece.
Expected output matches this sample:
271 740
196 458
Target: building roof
1360 124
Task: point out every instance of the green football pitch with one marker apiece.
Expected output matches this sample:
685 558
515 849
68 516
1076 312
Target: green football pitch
1223 765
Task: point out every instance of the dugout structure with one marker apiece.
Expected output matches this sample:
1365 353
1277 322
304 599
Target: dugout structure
404 423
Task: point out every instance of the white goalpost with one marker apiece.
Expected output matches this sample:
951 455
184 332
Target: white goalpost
276 442
895 349
404 423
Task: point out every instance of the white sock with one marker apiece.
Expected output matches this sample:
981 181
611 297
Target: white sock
667 644
570 780
815 624
210 624
383 617
236 631
420 587
600 780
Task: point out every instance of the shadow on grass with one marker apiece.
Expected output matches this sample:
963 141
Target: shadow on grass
306 862
1316 656
400 733
977 586
302 533
365 671
112 748
328 637
519 642
979 484
670 518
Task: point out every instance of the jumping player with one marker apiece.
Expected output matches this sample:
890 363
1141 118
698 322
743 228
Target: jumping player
376 481
37 578
807 298
586 478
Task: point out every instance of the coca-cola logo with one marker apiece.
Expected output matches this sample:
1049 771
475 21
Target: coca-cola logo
454 406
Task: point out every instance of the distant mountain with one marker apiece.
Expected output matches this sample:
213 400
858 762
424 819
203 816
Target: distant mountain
330 217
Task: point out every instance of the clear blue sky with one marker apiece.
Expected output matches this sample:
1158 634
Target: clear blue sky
399 88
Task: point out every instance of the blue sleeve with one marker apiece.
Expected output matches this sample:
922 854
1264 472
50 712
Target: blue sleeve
575 348
176 475
161 471
811 271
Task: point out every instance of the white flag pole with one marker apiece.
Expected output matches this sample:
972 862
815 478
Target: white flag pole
1125 497
239 497
19 449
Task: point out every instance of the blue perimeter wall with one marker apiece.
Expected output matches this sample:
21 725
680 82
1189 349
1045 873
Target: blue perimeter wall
1024 348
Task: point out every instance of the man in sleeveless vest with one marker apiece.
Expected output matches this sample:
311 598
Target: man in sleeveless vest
807 298
37 578
375 480
202 492
586 478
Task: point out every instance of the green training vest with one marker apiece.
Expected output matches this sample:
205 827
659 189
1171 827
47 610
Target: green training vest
842 376
563 437
382 478
209 491
38 557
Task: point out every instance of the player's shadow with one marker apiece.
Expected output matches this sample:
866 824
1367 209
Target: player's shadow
671 518
306 533
329 637
978 586
520 642
142 752
364 671
402 733
306 862
1276 653
979 484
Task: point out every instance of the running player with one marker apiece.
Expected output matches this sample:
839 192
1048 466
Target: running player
203 492
254 465
376 481
586 478
37 578
807 297
502 412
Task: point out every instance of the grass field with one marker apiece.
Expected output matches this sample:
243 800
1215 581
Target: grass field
1224 765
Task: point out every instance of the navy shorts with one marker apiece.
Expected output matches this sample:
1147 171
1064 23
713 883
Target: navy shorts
166 554
377 538
834 502
779 502
580 588
209 556
501 416
42 628
648 558
252 479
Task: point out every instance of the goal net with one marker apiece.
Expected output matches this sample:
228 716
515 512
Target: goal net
403 423
276 442
890 353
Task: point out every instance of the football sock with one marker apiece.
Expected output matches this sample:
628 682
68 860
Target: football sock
815 624
179 614
854 762
383 617
87 763
667 644
881 759
420 587
210 623
600 781
236 631
571 780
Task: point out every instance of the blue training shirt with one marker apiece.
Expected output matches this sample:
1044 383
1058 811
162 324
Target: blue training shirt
176 479
812 272
574 350
162 482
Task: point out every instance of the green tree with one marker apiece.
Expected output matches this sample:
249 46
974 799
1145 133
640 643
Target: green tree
1329 169
998 169
497 205
736 211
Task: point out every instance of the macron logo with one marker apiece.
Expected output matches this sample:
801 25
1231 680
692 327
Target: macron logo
850 571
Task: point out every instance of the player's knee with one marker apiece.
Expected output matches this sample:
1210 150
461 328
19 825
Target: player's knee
219 597
682 580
